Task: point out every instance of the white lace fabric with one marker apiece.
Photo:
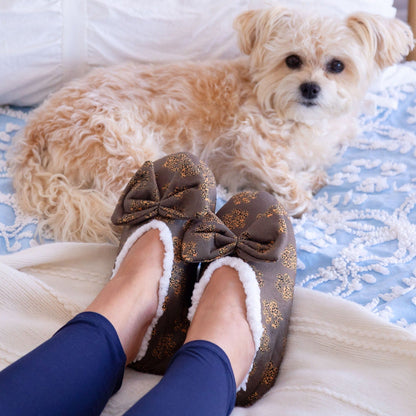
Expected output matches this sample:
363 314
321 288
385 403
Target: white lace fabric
359 240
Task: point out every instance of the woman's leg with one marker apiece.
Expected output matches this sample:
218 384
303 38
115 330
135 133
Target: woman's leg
130 299
217 354
82 365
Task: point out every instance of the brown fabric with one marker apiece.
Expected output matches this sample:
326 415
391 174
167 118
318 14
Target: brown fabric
254 227
178 186
174 189
252 239
180 190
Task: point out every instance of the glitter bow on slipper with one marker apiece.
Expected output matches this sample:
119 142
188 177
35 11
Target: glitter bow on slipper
165 195
176 189
263 240
252 234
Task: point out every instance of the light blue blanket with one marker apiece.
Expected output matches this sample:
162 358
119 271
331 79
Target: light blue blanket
358 241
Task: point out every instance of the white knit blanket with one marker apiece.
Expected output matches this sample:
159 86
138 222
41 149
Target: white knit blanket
340 359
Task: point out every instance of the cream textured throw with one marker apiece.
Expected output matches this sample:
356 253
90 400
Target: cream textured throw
340 359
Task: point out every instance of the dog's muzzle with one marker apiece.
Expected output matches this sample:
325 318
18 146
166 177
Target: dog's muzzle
310 91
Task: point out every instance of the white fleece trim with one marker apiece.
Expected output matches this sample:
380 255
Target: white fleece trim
166 238
247 277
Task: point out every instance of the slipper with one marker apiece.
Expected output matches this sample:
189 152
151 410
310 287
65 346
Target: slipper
252 234
165 195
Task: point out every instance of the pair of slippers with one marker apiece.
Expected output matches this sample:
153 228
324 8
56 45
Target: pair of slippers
250 233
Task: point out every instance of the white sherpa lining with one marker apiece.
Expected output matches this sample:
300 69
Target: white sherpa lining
166 238
247 277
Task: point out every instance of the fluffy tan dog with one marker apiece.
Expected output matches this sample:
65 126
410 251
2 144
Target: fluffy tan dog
271 120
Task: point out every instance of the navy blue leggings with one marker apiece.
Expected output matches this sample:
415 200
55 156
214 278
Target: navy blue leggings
82 366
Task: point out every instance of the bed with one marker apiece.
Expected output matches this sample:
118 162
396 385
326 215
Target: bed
352 341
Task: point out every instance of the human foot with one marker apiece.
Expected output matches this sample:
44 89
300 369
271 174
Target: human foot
221 318
253 234
167 195
130 299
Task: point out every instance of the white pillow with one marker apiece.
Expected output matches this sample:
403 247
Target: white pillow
345 7
45 43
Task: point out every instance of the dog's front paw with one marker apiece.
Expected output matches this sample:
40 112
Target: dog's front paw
319 181
296 202
309 182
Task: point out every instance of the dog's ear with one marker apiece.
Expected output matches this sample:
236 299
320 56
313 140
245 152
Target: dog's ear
245 25
385 40
256 26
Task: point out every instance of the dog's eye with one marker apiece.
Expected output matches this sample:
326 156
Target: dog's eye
293 62
335 66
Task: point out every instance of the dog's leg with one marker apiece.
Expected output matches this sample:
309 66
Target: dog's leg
289 189
300 190
272 174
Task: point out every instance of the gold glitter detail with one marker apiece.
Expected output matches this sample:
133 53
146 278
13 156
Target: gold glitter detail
270 374
181 164
165 187
140 205
179 190
207 236
189 250
235 219
282 225
223 251
253 397
277 210
208 184
140 181
285 286
259 276
244 197
177 248
181 326
126 218
272 314
170 221
165 303
280 210
209 176
176 285
177 269
165 347
289 257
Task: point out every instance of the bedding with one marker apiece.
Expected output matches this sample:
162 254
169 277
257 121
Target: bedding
352 338
340 359
359 240
354 313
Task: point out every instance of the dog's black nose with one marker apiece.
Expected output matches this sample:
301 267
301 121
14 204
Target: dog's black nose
310 90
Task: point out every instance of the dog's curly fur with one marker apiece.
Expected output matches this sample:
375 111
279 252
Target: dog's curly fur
252 119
